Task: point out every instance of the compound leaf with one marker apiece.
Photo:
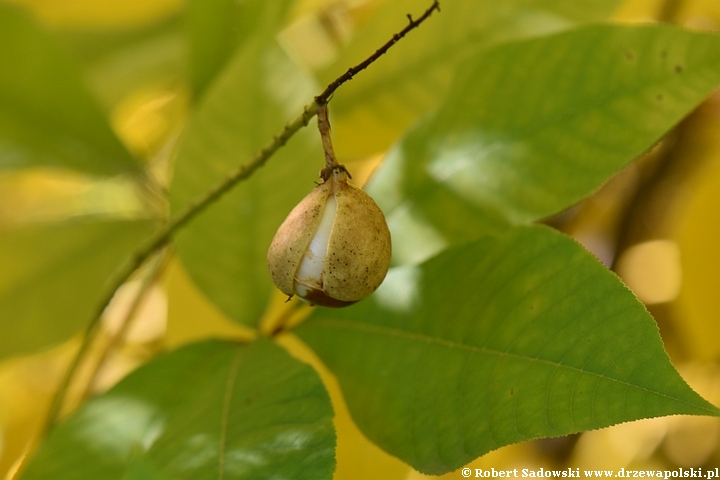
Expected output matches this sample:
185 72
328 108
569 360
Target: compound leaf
509 338
213 410
531 127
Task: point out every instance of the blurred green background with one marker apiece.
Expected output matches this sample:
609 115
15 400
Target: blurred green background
655 223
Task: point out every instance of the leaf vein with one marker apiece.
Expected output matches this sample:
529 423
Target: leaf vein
227 398
414 336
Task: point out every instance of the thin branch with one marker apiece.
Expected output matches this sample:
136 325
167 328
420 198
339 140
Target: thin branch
163 236
157 267
158 241
280 323
330 89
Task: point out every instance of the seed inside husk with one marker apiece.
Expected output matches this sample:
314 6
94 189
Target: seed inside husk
334 247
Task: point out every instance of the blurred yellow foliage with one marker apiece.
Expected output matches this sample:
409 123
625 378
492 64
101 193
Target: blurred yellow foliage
357 457
26 387
100 14
698 236
146 117
186 305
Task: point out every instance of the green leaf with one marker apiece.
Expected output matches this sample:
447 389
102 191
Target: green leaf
47 116
373 110
214 410
217 28
53 276
509 338
530 128
224 249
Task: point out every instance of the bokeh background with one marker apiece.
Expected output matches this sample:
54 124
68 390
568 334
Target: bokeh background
656 224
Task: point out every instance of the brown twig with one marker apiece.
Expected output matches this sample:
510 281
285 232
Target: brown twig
351 72
163 236
159 265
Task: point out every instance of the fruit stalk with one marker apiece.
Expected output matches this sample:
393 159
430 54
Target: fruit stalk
324 127
334 247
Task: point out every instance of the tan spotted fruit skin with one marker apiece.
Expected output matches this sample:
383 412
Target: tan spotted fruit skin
358 251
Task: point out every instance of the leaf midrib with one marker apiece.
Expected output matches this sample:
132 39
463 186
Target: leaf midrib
225 414
416 336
